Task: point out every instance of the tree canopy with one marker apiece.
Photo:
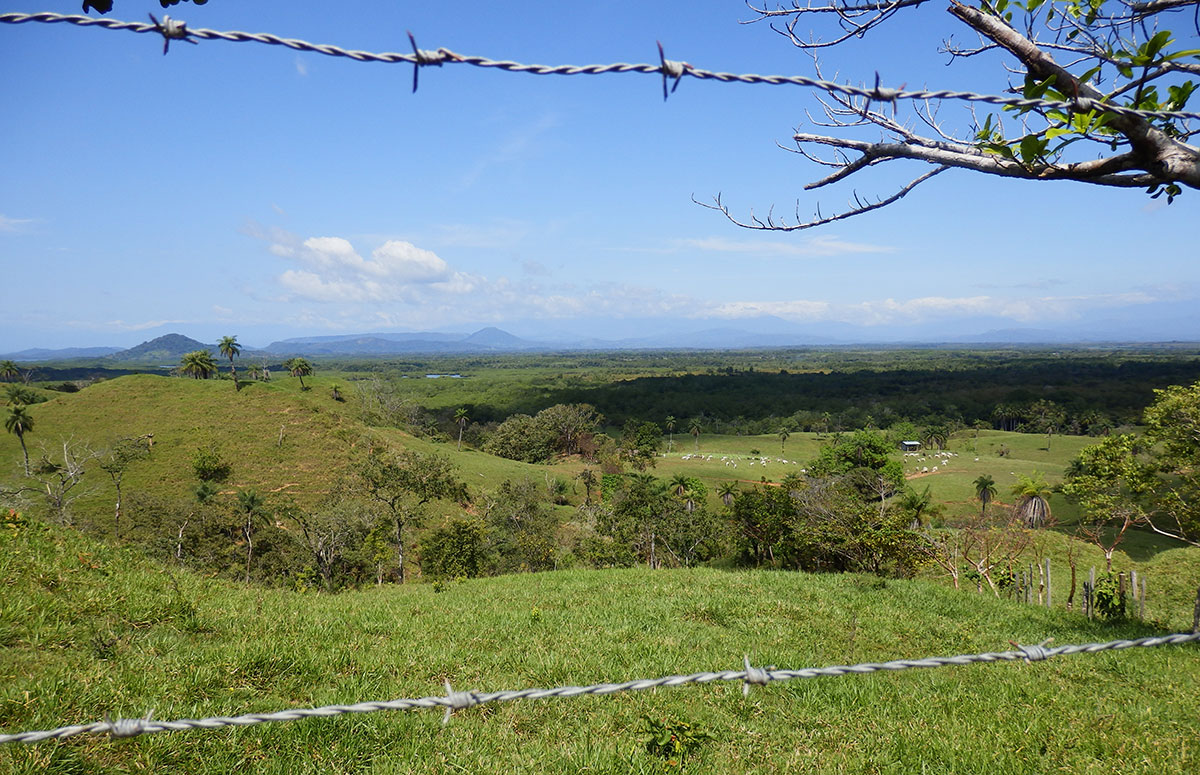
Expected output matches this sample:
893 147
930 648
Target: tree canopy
198 364
1085 55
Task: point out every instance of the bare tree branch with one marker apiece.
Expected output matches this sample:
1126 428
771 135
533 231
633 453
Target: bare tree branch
1158 6
1132 151
860 207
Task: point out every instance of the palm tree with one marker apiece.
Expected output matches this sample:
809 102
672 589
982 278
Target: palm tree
8 370
679 484
915 504
461 418
783 437
694 429
727 491
670 424
1032 505
198 364
19 422
985 491
230 349
255 372
299 367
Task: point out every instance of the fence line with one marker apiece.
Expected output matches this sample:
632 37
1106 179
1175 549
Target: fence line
453 700
173 29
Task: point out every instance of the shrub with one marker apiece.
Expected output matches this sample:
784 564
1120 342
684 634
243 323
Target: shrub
1108 597
454 550
209 466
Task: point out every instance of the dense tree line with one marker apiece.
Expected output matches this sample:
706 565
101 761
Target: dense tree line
1089 394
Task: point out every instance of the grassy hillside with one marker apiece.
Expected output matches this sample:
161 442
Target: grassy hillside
87 630
320 436
278 439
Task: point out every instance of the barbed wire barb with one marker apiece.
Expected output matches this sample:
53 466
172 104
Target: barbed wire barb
665 68
172 29
423 58
452 700
670 69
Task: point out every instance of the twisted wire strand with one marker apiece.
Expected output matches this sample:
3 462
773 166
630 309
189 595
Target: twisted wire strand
176 30
453 700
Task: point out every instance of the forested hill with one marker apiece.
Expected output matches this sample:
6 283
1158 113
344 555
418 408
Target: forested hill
1118 391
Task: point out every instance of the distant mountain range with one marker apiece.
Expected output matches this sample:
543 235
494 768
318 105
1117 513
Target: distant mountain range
42 354
657 334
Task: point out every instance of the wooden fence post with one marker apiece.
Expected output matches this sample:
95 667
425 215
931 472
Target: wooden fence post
1142 604
1196 614
1091 595
1048 583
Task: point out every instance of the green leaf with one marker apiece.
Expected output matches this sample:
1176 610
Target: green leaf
1157 43
1032 147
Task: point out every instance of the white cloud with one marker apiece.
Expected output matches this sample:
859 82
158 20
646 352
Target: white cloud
401 284
925 309
13 224
333 271
301 65
121 325
407 262
824 245
788 310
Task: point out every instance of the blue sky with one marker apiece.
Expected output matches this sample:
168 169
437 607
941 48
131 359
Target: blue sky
252 190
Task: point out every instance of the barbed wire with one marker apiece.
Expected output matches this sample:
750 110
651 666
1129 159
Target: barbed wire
452 700
173 29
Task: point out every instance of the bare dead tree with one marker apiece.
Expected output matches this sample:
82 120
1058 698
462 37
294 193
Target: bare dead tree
61 474
1116 53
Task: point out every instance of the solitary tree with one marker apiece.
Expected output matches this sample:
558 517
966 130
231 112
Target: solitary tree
1046 417
9 370
19 422
1032 506
115 461
694 429
299 367
985 491
679 484
404 482
461 418
669 424
1113 54
198 364
727 492
783 437
1111 481
587 477
250 505
230 349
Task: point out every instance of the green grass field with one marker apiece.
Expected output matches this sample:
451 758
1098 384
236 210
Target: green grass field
88 631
